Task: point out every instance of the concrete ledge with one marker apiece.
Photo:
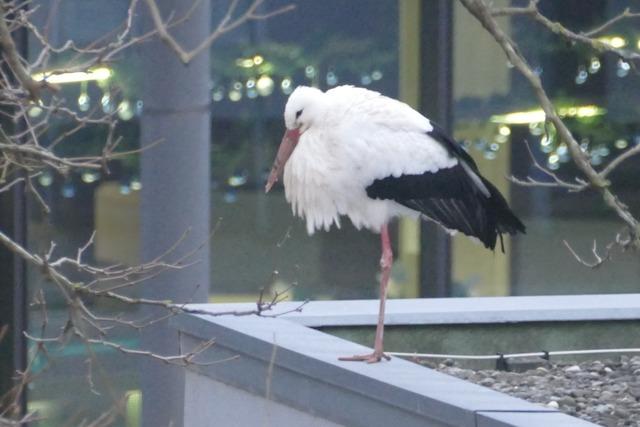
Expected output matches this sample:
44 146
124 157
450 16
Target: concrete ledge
286 364
438 311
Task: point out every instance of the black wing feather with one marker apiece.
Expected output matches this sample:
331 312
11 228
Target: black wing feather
452 198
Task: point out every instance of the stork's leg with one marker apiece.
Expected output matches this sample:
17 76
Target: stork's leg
386 261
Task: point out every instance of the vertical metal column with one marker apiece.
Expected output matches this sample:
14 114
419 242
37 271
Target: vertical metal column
175 197
436 95
13 306
13 284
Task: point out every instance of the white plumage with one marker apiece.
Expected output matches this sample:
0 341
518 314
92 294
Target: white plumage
353 152
357 137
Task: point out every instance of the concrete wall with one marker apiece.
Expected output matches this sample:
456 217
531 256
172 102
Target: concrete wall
280 371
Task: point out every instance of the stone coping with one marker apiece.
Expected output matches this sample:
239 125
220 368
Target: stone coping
296 365
439 311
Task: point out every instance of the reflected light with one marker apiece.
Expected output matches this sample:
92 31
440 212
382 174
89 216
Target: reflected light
237 180
538 116
244 62
125 110
96 74
46 179
613 41
89 177
332 79
286 85
621 144
365 79
84 102
251 88
235 95
68 191
504 130
34 111
218 94
106 103
310 71
264 85
519 117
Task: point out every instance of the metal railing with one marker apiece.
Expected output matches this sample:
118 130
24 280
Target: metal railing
503 358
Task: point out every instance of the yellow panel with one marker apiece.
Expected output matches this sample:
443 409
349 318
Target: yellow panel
406 278
480 71
117 222
480 271
479 63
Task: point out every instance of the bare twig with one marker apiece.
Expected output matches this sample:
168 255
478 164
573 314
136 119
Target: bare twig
599 259
626 14
619 159
557 182
586 38
227 24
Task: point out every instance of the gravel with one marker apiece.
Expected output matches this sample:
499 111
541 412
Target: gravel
604 392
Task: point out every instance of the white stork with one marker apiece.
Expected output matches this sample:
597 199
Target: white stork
354 152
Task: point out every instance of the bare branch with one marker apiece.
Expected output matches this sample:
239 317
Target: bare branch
605 26
619 159
10 185
557 28
33 148
227 24
481 11
511 11
11 55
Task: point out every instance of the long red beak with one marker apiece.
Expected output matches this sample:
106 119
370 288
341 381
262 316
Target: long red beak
288 144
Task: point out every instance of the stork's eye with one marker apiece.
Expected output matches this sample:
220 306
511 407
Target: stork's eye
298 113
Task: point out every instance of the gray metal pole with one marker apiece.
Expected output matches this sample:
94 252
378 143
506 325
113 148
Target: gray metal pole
175 193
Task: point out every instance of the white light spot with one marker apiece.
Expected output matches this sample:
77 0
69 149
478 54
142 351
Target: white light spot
264 85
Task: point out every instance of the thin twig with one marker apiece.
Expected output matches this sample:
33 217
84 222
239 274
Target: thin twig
626 14
613 164
599 259
227 24
557 182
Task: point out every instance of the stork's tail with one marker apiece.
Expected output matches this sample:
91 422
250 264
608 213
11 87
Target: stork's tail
501 215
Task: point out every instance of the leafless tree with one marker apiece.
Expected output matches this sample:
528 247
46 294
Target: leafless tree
24 156
591 178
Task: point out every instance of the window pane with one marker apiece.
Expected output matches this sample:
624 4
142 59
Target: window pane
596 94
65 389
253 71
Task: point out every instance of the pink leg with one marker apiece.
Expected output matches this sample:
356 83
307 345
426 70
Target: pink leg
386 261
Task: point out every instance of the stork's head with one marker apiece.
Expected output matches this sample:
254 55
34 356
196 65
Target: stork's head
306 106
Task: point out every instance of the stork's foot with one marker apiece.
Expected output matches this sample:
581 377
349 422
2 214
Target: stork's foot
374 357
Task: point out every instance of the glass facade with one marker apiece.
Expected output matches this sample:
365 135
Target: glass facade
71 383
496 115
324 44
253 71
